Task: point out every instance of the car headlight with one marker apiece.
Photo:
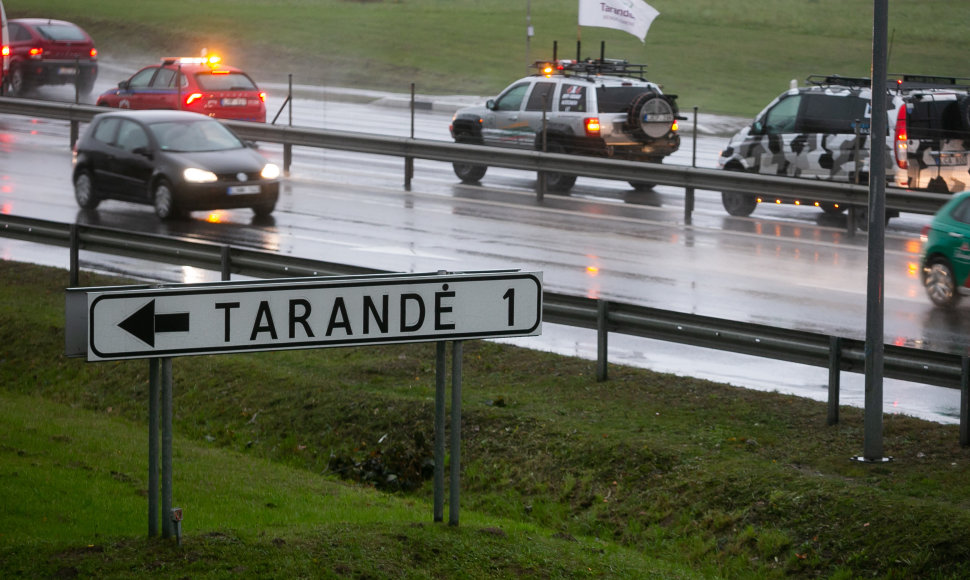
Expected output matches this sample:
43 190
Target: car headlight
196 175
270 171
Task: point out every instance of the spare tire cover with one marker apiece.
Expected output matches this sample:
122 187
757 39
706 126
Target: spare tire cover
654 115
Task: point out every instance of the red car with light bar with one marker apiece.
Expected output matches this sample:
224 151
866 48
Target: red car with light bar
42 51
602 107
207 86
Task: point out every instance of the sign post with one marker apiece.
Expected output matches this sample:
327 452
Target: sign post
162 322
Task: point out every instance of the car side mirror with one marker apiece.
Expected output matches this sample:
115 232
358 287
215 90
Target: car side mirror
490 104
143 151
758 127
123 85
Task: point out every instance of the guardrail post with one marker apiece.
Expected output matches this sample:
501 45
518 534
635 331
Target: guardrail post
154 388
965 402
689 198
835 378
409 161
288 147
439 432
602 337
455 459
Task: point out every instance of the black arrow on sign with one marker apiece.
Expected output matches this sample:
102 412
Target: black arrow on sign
145 324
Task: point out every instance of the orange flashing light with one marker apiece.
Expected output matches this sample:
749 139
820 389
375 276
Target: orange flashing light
674 127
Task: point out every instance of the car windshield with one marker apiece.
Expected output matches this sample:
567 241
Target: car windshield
192 136
232 81
61 33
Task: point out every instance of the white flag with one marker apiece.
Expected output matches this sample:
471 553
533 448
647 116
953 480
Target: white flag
633 16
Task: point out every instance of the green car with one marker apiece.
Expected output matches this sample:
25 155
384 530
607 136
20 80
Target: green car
946 251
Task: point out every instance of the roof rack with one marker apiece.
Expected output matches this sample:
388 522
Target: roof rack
825 80
592 67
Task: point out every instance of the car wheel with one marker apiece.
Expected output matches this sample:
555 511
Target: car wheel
18 82
266 208
642 185
558 182
651 115
940 284
469 173
84 190
738 204
164 201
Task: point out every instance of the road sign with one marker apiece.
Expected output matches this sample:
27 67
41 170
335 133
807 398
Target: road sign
301 313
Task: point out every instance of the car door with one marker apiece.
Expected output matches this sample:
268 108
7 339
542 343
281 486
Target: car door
100 153
505 125
132 165
831 137
137 92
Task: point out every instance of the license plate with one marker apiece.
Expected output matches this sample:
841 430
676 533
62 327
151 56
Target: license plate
235 102
243 189
950 159
65 70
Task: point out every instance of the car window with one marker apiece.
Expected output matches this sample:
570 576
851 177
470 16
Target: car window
142 78
216 81
131 136
572 98
105 130
935 117
616 99
164 78
18 32
192 136
781 118
540 97
961 213
61 33
511 100
831 114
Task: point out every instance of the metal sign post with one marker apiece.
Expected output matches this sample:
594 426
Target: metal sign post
160 322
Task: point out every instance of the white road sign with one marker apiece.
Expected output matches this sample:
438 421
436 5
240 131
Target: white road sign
310 313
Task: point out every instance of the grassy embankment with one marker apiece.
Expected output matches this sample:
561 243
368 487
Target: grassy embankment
315 463
724 57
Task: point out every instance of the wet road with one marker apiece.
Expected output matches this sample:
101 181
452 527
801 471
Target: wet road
784 266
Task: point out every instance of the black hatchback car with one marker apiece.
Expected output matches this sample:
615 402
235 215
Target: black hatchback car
176 161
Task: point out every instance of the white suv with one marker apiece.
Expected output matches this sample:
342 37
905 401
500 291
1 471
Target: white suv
599 107
821 131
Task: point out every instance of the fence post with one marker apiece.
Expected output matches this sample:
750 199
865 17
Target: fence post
75 249
409 161
602 336
689 198
835 378
964 401
226 262
288 147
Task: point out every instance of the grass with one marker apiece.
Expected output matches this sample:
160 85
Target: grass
727 57
315 463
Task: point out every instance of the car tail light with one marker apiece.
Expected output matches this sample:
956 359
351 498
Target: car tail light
262 96
5 51
924 233
192 98
674 126
592 126
94 53
36 52
901 140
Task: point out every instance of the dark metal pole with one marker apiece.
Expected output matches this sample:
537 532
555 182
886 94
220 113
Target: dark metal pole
602 338
409 161
439 432
835 376
964 401
689 201
153 390
288 147
873 444
455 461
168 528
74 258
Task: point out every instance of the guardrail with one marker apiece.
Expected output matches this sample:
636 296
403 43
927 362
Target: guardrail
837 354
690 178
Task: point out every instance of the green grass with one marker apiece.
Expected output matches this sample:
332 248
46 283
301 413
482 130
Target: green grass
307 463
727 57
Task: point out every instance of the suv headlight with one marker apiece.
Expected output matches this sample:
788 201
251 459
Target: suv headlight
196 175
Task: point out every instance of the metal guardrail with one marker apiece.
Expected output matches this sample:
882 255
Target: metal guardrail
809 348
674 175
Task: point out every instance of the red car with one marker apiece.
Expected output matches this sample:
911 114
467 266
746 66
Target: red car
207 86
49 52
